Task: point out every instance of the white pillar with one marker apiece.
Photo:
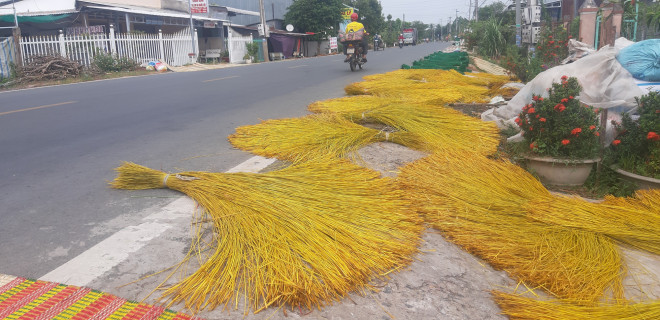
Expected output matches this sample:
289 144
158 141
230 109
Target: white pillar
162 45
62 44
113 42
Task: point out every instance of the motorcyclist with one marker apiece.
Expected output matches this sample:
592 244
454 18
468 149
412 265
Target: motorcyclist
400 38
356 26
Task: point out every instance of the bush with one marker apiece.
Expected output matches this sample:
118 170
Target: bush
637 146
107 62
252 50
560 125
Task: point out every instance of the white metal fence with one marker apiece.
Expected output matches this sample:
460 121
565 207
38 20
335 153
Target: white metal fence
172 49
237 48
6 56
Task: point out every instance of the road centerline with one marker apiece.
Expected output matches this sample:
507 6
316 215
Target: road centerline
218 79
300 66
39 107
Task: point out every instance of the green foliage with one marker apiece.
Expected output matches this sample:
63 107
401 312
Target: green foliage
252 50
637 145
371 15
651 15
107 62
559 125
521 63
492 42
318 16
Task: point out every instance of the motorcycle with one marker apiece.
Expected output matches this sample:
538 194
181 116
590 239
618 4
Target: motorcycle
401 43
354 50
378 44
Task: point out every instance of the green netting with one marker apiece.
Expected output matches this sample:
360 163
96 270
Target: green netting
444 61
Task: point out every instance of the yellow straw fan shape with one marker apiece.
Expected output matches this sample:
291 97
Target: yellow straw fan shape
522 308
635 221
309 137
431 86
302 236
440 128
478 203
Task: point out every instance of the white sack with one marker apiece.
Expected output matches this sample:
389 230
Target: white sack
605 84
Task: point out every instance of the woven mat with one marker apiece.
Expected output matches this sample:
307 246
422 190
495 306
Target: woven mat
22 298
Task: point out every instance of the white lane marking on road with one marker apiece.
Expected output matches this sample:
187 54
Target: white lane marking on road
300 66
102 257
218 79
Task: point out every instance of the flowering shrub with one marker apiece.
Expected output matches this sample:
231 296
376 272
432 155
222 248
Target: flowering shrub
559 125
637 144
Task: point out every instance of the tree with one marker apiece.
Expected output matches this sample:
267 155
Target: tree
318 16
371 15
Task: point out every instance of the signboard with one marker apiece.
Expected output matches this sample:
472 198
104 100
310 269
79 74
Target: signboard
199 6
333 43
346 13
346 17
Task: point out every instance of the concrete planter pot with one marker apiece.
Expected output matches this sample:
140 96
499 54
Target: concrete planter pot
561 172
642 182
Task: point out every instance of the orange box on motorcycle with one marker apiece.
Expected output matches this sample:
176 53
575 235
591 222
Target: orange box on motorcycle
351 36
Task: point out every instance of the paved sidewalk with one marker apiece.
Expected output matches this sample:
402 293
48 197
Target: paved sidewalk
489 67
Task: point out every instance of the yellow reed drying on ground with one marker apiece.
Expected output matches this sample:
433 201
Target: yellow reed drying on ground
439 128
306 137
521 308
303 236
429 86
478 204
635 221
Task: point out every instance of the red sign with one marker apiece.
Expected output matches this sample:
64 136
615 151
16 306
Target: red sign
199 6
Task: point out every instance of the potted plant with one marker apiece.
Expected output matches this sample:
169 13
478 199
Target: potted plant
562 134
635 152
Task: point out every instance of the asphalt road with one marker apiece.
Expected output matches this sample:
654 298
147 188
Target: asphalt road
59 145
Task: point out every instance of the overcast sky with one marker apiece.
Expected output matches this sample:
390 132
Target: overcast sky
429 11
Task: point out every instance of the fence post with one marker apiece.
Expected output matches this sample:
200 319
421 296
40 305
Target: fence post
196 44
113 42
62 44
18 53
162 45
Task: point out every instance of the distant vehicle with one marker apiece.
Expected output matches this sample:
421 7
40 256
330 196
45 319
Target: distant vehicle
410 36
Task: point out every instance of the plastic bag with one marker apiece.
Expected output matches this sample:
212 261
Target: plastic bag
642 59
605 84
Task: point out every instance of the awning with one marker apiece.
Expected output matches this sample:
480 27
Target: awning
154 12
241 11
30 8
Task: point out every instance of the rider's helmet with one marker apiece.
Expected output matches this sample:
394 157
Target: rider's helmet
354 16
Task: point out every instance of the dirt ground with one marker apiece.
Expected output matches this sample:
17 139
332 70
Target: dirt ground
444 282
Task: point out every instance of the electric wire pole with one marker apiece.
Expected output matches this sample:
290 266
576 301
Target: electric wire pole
264 27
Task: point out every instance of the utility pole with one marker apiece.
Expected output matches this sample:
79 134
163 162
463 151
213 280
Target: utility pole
457 23
262 14
192 32
518 22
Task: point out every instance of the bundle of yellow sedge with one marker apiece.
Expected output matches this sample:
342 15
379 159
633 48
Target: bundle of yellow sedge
439 128
429 86
303 236
522 308
479 204
313 136
634 221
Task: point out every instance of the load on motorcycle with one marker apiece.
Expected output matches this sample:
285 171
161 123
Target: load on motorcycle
355 32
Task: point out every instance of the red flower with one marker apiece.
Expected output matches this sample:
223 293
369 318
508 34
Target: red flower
542 119
564 100
596 110
531 128
616 142
591 127
533 145
565 141
531 110
541 99
537 116
576 131
570 37
560 107
550 37
535 98
551 42
653 136
597 134
570 97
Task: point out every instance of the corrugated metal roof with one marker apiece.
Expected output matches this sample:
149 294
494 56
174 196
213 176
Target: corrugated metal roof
241 11
39 7
153 12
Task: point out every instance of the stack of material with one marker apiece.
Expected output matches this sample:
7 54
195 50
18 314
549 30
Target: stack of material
458 61
302 236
